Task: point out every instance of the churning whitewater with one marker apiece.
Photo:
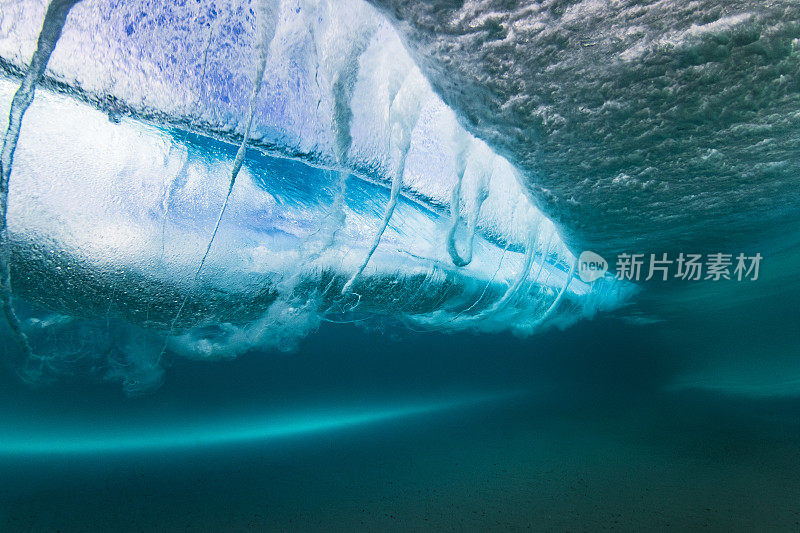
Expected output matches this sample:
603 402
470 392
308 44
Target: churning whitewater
199 178
291 166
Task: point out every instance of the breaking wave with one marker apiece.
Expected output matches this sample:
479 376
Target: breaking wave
200 179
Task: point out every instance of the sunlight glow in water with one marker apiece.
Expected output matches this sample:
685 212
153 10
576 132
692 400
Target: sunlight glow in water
255 429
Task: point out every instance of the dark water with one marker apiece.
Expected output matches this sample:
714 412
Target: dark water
593 438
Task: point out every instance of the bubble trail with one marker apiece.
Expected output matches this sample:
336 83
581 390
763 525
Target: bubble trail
54 21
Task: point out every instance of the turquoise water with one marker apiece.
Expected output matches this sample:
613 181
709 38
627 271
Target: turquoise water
570 430
313 265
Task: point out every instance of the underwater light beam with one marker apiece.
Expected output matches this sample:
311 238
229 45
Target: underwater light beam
256 430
